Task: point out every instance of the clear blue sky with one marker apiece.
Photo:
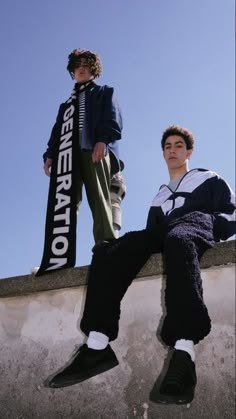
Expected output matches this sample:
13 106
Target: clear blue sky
170 61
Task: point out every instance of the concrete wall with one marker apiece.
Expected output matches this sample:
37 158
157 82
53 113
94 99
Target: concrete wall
40 330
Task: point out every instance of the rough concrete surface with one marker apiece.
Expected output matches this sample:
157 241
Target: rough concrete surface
39 332
222 253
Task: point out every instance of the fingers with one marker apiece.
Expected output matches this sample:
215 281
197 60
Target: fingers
47 171
99 152
47 167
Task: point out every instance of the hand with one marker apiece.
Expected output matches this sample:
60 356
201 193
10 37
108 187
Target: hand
99 152
47 167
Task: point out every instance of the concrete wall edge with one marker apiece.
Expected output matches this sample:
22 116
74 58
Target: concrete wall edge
222 254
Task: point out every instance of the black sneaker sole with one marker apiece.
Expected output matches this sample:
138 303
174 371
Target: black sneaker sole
173 399
75 379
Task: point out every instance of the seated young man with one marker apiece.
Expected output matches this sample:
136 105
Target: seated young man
190 214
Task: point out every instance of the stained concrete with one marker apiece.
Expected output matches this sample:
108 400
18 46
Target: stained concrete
40 330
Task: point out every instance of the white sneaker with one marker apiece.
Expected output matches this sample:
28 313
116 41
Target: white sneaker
34 270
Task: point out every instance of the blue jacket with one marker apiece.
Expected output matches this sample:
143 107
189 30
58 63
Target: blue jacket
103 123
198 190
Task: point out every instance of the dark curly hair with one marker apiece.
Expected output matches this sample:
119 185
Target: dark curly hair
92 58
182 132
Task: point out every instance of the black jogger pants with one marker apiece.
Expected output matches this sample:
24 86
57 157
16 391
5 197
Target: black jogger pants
116 264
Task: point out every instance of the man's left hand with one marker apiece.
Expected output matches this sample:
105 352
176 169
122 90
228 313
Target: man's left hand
99 152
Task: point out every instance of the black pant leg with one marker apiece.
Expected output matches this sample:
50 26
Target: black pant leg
186 313
112 270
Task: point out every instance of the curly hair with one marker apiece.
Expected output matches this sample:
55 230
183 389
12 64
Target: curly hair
92 58
182 132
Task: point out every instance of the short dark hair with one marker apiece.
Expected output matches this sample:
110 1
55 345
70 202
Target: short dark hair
182 132
92 58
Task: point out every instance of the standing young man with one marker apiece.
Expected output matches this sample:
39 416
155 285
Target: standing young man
188 215
83 150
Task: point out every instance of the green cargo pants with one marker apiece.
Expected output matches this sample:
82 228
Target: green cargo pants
96 179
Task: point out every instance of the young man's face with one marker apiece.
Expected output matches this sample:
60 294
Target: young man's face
82 72
175 152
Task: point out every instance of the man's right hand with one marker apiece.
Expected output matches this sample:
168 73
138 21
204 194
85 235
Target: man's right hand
47 167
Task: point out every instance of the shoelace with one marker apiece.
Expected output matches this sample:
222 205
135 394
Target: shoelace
176 372
79 349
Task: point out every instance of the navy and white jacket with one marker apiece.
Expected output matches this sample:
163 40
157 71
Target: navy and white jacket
198 190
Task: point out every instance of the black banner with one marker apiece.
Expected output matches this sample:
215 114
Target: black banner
60 229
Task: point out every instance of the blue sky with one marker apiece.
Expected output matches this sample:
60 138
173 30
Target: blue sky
170 61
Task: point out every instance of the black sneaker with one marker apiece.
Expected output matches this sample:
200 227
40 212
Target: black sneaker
86 363
180 380
102 245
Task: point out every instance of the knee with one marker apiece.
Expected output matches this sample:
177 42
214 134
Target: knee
177 241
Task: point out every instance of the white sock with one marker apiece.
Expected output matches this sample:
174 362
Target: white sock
97 340
187 346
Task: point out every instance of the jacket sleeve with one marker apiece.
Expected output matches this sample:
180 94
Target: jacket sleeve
54 137
110 125
224 209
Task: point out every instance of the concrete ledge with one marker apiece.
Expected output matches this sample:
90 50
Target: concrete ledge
222 254
39 332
